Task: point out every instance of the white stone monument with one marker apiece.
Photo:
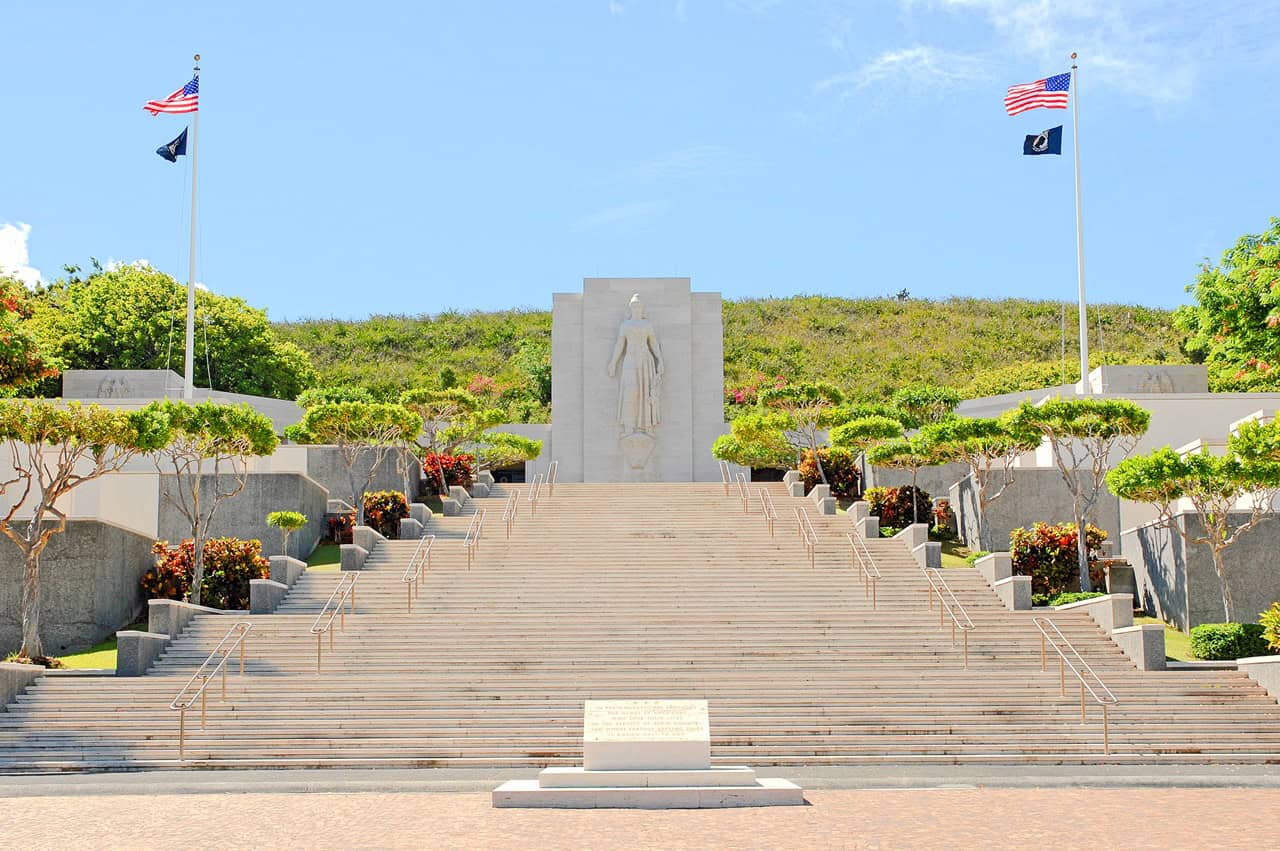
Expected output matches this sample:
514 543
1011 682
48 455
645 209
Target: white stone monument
637 381
647 754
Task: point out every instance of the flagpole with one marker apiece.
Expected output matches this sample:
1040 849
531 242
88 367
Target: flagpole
1084 386
189 358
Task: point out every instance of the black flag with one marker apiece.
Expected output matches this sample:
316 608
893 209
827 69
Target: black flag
176 148
1048 142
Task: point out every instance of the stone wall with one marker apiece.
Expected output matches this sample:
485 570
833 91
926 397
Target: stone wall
1037 494
1178 583
89 578
935 481
325 466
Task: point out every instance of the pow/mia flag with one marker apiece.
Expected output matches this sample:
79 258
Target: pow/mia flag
178 147
1048 142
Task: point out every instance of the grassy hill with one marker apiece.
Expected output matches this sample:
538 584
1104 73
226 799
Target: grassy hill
869 347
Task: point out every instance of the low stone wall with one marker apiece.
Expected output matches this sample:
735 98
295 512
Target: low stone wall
1037 494
326 467
935 481
89 579
1179 584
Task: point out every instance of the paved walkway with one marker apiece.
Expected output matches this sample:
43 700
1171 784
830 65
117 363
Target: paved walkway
1129 819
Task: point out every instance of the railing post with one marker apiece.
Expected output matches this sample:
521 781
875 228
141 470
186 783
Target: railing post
965 633
203 701
224 673
244 639
1062 675
873 592
182 734
319 649
1044 662
1083 716
1106 732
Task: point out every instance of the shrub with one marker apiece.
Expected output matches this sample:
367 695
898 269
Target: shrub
888 531
841 467
944 520
1048 555
1067 597
1222 641
458 470
1039 599
893 505
229 564
1270 622
383 511
339 527
287 522
972 558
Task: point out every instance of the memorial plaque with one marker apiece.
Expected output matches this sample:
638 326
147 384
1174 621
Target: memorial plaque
638 735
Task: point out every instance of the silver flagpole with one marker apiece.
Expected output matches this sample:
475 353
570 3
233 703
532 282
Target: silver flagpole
189 360
1084 322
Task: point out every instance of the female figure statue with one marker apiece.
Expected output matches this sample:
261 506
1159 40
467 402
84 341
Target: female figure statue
640 382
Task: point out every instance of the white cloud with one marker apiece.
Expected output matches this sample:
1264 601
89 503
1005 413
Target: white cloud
918 68
622 214
14 259
683 164
113 264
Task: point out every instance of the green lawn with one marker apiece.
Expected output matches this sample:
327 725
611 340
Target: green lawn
953 554
100 655
327 558
1177 644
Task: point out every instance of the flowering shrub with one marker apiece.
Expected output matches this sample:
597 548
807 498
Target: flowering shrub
893 505
1270 620
338 527
383 511
1048 555
749 393
944 520
841 467
229 564
457 471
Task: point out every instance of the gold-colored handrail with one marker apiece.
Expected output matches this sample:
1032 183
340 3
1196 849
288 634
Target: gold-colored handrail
767 509
419 563
860 557
510 511
232 641
474 532
533 493
1105 699
724 476
949 606
344 593
808 538
551 477
743 494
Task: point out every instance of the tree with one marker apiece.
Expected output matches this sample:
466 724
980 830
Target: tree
450 418
534 360
925 403
809 409
132 317
1084 435
1246 479
333 393
756 440
287 522
990 447
21 360
905 453
865 430
363 432
501 449
1234 326
207 457
55 449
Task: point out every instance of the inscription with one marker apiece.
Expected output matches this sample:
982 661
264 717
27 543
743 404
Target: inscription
646 721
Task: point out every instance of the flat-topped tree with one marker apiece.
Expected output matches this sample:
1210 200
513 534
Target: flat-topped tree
451 418
206 462
863 426
989 447
501 449
1085 436
1218 488
287 522
53 450
921 404
809 410
905 453
756 440
363 433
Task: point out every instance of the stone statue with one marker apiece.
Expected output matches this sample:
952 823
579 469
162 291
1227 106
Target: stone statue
640 384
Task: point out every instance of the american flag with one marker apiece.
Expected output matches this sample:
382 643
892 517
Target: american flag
1050 93
185 99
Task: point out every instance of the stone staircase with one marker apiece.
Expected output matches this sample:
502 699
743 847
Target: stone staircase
639 591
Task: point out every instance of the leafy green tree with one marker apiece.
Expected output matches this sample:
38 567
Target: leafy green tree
287 522
756 440
21 360
363 432
809 410
132 317
450 419
55 449
1085 436
990 447
534 360
912 454
337 393
1219 489
1234 326
501 449
925 403
206 462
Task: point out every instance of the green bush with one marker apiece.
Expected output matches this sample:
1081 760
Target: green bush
383 511
229 564
1224 641
888 531
893 505
1048 555
841 467
1067 597
972 558
1270 622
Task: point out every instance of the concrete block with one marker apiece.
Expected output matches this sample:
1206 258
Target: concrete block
928 554
459 493
353 557
995 567
826 506
580 778
1014 592
136 651
14 679
367 537
479 490
767 792
913 536
485 477
287 570
795 489
420 512
1110 611
860 510
1144 644
410 529
868 527
790 477
452 508
170 617
265 595
338 506
1265 670
820 492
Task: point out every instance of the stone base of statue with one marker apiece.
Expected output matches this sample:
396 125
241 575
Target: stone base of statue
637 449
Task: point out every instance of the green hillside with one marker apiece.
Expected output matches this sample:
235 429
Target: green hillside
868 347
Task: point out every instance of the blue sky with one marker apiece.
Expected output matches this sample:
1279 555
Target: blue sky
414 157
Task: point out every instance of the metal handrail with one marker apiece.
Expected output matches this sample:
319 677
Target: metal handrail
767 509
510 511
334 607
533 493
948 605
1106 699
866 566
474 532
551 477
233 640
724 476
808 539
742 493
419 563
